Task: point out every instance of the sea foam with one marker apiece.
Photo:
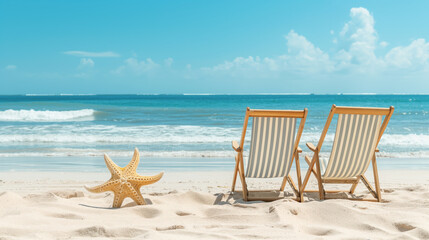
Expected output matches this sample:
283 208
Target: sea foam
91 152
32 115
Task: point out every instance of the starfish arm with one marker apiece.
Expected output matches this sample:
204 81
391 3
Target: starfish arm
135 194
145 180
118 200
114 169
107 186
133 164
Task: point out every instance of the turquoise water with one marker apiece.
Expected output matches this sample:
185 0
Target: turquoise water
75 130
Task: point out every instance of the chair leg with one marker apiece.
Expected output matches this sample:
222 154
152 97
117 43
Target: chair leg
370 189
353 188
282 187
298 174
293 186
285 178
234 179
242 178
313 169
319 178
307 175
376 180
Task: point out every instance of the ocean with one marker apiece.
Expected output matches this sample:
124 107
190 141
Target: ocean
184 132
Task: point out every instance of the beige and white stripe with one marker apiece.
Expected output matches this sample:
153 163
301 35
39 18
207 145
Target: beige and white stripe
271 147
354 144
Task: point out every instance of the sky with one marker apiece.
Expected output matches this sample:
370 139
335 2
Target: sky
173 47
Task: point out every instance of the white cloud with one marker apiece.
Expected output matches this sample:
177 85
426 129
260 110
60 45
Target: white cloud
360 32
11 67
361 26
384 44
86 63
137 67
168 62
92 54
249 67
239 63
356 54
302 56
415 55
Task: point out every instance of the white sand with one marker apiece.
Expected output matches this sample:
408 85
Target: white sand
193 205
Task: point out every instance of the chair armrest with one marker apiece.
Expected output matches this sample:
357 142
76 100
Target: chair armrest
236 146
377 150
311 146
299 150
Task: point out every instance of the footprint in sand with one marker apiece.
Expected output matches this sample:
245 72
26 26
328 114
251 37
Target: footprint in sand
360 207
94 231
98 231
147 212
388 190
294 212
370 227
240 227
413 189
67 216
321 231
180 213
404 227
44 197
69 194
174 227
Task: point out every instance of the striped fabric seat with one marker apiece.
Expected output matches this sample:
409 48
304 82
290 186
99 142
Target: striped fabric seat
323 164
355 141
271 147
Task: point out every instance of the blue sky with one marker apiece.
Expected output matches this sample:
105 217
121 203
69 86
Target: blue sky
52 47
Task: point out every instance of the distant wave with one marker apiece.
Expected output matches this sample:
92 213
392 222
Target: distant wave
108 139
166 140
226 94
82 152
61 94
110 134
60 152
407 140
80 94
177 134
46 116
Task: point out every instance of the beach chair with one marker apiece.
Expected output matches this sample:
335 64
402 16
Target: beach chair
357 135
273 149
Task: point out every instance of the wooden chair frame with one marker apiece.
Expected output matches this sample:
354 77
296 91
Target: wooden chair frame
238 147
314 164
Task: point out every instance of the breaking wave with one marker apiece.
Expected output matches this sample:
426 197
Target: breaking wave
167 141
32 115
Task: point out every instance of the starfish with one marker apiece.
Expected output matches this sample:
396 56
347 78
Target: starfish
125 182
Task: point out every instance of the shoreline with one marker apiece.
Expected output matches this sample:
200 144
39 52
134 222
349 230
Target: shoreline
175 179
173 164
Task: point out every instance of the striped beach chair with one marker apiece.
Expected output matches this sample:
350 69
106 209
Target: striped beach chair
273 148
357 135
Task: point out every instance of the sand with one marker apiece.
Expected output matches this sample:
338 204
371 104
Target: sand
197 205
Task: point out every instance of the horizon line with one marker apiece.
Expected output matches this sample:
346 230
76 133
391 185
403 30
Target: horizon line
205 94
